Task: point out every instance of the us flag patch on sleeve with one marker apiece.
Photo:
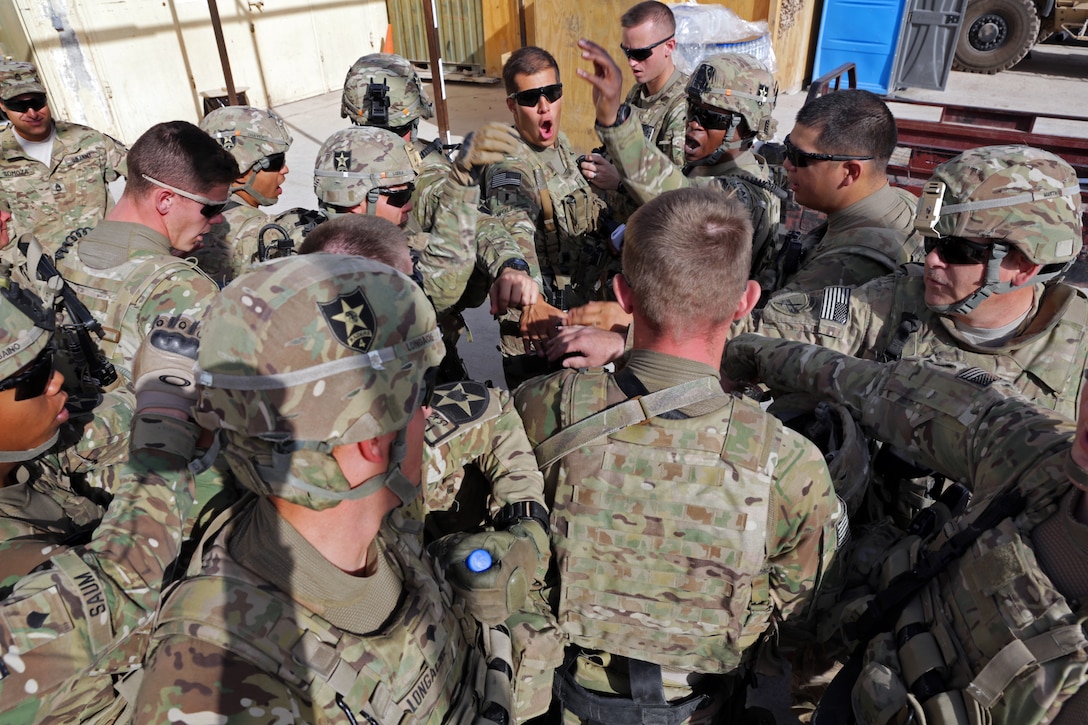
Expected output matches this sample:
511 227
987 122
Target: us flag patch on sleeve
505 178
836 306
978 376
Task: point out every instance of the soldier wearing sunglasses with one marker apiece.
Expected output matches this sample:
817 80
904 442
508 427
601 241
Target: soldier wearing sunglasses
128 270
836 156
258 140
53 175
1000 226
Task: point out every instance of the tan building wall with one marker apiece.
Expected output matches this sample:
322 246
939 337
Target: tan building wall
122 66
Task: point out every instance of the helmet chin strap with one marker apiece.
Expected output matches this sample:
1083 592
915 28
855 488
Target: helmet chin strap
372 202
726 146
30 454
248 188
991 285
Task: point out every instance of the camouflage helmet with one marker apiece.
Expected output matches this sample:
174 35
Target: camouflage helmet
25 327
382 89
18 78
250 134
304 354
739 84
1023 196
355 162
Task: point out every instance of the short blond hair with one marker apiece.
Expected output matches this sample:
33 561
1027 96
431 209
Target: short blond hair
686 256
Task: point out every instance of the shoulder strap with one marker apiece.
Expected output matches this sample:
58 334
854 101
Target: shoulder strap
630 412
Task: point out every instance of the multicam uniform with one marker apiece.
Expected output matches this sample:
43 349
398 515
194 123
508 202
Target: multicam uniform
866 240
230 246
663 115
61 201
997 635
718 577
542 200
125 275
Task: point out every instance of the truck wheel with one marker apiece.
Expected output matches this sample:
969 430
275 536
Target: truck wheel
995 35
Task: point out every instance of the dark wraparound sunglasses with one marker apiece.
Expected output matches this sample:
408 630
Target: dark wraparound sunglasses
641 54
399 197
37 102
531 96
209 208
710 120
801 159
957 250
34 378
273 162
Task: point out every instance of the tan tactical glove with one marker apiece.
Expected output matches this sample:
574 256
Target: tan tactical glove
496 592
490 144
165 386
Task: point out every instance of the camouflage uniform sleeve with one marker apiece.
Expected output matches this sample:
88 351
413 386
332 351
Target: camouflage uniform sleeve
646 172
60 621
116 157
243 244
674 129
801 536
508 191
853 259
430 185
449 256
495 245
848 320
959 421
186 292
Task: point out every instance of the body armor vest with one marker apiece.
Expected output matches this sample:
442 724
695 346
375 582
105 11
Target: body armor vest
754 187
990 640
420 668
114 297
673 575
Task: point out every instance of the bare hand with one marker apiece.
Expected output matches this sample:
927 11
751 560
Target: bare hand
604 315
5 219
607 81
600 172
513 288
539 322
585 347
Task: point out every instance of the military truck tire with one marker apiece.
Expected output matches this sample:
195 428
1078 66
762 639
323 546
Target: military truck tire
995 35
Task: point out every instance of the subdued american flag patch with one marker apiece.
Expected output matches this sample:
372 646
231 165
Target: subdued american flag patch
978 376
836 305
505 178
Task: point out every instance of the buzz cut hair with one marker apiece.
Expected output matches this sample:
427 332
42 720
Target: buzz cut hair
180 154
686 257
527 61
361 235
852 122
650 11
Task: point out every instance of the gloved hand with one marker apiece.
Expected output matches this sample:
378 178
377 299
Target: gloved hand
163 367
489 144
492 595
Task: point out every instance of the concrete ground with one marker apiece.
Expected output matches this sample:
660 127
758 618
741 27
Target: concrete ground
1050 80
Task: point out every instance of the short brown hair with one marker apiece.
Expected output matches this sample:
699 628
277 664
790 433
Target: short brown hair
527 61
362 236
180 154
650 11
686 255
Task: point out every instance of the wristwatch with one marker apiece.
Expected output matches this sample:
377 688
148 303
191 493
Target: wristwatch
515 263
621 115
511 513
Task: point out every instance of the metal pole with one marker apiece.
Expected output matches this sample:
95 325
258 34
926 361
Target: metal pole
217 26
438 81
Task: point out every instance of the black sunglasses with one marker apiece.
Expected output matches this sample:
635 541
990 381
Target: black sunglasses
34 379
273 162
801 159
641 54
710 120
37 102
209 207
531 96
397 198
957 250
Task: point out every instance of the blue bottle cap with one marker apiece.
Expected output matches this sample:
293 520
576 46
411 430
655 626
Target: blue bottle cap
479 560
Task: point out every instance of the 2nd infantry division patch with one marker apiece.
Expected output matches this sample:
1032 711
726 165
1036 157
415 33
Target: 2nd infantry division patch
351 320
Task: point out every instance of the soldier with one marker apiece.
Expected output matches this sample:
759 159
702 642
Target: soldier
1000 224
124 269
544 203
258 140
67 629
730 100
977 619
836 156
648 30
662 484
55 175
345 619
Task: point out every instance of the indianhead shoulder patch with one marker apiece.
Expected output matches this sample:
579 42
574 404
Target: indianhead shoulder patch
351 320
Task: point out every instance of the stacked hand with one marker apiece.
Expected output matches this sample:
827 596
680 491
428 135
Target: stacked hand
488 145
